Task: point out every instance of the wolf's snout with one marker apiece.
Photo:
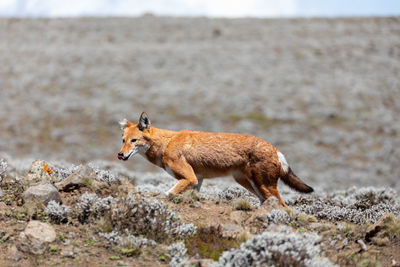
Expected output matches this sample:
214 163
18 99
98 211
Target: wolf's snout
121 155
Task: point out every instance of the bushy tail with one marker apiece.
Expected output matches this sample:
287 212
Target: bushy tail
294 182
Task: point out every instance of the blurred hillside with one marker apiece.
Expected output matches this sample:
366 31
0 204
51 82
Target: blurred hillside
325 91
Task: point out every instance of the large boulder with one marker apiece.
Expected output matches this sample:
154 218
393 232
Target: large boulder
36 237
43 192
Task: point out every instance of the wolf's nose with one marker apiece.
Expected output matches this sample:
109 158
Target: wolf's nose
120 155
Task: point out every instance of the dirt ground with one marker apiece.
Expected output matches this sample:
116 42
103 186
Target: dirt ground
80 245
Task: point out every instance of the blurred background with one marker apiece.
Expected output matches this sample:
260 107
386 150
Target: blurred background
318 79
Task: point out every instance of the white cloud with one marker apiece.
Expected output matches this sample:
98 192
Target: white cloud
220 8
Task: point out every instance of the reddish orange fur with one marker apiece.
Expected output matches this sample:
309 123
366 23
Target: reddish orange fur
189 155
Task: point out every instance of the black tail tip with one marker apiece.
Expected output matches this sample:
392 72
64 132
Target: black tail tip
309 189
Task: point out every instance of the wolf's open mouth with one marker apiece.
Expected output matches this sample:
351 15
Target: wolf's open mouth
125 158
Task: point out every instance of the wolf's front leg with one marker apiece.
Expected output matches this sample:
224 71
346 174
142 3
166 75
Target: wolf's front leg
180 187
182 171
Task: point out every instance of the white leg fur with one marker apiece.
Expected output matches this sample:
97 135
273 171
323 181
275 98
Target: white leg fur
170 191
170 172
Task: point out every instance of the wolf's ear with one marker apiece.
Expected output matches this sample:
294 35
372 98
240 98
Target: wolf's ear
144 122
124 123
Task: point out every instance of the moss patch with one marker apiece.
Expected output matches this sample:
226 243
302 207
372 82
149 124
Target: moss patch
209 242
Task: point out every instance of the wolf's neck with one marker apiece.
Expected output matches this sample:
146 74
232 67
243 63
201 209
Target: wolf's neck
159 140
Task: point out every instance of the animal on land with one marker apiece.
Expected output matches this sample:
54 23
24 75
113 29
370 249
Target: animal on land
191 156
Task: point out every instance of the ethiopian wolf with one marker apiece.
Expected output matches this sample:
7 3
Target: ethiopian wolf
192 156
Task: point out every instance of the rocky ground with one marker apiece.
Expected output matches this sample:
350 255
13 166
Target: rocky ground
324 91
87 215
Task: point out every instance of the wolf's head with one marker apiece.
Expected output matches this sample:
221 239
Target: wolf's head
135 137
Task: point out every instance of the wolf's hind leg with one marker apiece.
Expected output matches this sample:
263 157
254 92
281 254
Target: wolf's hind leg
274 191
242 180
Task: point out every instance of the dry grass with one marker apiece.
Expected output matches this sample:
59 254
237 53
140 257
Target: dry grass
242 204
391 227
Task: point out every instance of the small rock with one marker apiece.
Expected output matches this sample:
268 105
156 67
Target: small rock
42 171
43 192
72 235
121 263
68 252
13 254
1 193
36 237
230 230
362 245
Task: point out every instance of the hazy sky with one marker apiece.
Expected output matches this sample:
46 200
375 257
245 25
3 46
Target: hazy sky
212 8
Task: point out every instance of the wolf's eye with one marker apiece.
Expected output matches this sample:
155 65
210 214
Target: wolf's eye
133 140
123 141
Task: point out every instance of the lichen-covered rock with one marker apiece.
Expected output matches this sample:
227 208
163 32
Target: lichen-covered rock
42 171
43 192
87 176
84 176
36 237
